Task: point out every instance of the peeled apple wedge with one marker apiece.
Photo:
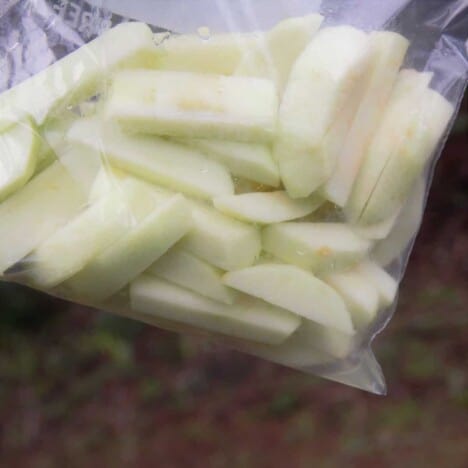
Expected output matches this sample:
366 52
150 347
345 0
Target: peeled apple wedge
377 231
79 75
184 269
275 55
72 247
397 124
249 319
194 105
388 51
220 240
320 84
295 290
36 211
318 247
19 148
405 229
53 134
386 286
133 253
252 161
218 54
359 294
431 119
154 159
310 345
82 163
266 207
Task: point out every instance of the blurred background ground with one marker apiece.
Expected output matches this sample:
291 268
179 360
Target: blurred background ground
85 389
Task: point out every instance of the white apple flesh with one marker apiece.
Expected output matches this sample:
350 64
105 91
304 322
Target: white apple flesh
388 51
194 105
19 148
184 269
295 290
267 207
72 247
220 240
321 82
359 295
252 161
318 247
133 253
35 212
79 75
155 160
390 138
248 319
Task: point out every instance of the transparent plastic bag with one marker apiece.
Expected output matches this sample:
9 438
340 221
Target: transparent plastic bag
138 173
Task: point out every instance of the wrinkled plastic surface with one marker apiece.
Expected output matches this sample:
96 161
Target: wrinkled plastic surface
36 33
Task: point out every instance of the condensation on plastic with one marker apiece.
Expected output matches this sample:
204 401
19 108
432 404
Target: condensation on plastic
36 33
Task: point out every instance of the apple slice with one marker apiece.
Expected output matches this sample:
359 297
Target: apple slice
267 207
53 133
133 253
19 148
72 247
154 159
275 56
405 229
359 294
79 75
377 231
390 138
295 290
387 287
320 84
186 270
218 54
319 247
388 51
310 345
431 116
33 213
220 240
248 319
251 161
83 163
194 105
